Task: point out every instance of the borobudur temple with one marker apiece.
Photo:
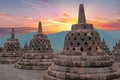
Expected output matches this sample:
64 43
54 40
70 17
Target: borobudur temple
82 58
40 53
11 51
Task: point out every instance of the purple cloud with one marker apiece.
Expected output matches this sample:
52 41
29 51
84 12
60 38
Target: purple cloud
18 31
36 6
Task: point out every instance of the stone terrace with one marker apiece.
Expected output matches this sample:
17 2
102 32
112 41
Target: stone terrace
8 72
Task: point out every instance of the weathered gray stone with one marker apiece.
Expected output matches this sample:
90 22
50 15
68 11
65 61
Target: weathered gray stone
116 51
39 55
105 47
8 72
82 57
11 51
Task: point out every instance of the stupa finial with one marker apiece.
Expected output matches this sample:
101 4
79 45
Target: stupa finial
39 27
119 41
12 34
26 45
81 14
103 40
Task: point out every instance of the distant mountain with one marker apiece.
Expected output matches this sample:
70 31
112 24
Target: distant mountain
57 39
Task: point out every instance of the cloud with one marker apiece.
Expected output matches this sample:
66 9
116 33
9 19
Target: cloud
5 16
25 24
8 20
100 18
98 22
46 2
10 17
66 18
26 17
109 25
18 30
36 6
65 21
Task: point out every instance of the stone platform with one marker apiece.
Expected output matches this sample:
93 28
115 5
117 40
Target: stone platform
9 58
35 61
77 67
8 72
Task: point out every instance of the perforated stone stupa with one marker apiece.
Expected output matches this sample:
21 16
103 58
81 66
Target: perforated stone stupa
104 46
11 51
116 51
40 55
26 48
1 49
82 58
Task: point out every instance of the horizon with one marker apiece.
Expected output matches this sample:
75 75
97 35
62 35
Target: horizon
22 34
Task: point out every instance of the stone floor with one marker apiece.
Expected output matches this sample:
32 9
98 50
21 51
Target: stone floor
8 72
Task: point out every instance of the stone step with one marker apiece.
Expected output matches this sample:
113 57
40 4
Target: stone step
84 58
81 70
27 67
68 63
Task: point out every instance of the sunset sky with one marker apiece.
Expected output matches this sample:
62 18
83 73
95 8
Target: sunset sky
56 15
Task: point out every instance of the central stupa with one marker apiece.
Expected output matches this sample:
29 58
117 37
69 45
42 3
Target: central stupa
82 58
40 53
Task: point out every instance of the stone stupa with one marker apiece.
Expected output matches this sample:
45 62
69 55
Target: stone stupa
82 58
116 51
40 53
104 46
1 49
11 51
26 48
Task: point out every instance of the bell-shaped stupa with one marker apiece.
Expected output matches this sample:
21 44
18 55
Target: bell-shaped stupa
40 53
104 46
11 51
1 50
82 58
116 51
26 48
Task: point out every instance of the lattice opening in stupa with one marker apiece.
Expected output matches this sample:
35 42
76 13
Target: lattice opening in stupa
82 57
40 53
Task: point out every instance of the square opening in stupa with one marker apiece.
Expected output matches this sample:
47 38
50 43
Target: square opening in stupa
40 53
82 57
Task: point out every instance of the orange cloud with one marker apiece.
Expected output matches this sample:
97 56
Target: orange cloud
98 22
55 25
18 31
67 19
108 25
7 20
